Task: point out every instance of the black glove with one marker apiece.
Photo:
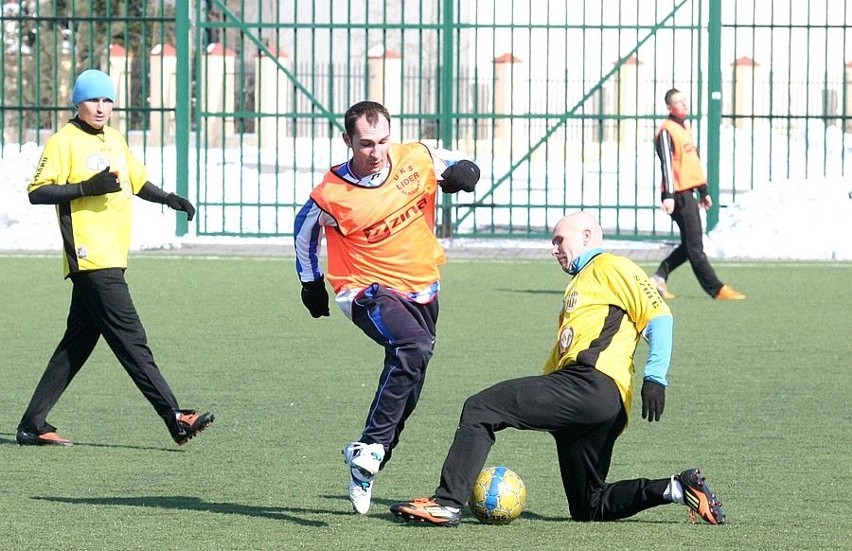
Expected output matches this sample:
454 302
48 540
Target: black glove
177 202
653 400
315 297
462 176
100 184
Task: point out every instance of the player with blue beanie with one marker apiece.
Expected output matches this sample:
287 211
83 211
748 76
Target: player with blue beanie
92 84
90 174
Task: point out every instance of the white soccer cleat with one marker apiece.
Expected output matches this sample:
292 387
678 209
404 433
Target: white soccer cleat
363 461
360 494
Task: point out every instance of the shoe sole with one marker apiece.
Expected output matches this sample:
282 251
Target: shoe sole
40 442
189 436
702 501
409 516
37 440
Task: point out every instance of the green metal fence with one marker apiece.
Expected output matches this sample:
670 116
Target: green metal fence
46 43
239 103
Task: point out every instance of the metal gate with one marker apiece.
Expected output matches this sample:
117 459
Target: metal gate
557 105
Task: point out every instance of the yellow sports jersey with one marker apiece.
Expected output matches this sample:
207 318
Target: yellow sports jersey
605 308
384 234
95 230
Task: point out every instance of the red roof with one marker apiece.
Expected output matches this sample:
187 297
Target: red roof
745 61
508 58
272 50
217 48
166 50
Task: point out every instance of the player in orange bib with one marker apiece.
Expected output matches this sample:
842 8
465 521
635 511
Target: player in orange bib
683 175
377 212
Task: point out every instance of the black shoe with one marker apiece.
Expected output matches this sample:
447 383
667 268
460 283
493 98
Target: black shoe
700 498
25 438
190 423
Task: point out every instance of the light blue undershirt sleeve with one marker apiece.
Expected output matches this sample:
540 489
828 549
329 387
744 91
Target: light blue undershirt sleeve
580 262
659 333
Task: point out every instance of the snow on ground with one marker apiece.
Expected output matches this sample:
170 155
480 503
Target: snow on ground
793 219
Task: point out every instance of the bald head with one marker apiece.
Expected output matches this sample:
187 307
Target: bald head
573 235
581 222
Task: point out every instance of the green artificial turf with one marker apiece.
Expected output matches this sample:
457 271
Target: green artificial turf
759 398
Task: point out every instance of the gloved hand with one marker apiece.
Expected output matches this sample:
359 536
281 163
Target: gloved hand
177 202
100 184
653 400
462 176
315 297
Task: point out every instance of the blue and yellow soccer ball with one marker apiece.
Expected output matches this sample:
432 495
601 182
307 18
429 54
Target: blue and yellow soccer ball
498 497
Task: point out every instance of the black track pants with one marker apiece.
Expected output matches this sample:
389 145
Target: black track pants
100 306
581 408
687 216
406 330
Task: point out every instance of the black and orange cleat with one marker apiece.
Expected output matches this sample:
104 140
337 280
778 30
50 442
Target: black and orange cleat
426 509
189 424
699 497
25 438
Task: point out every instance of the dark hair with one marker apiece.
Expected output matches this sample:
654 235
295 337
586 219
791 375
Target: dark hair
372 110
669 95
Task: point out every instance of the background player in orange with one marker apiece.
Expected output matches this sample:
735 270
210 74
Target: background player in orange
377 212
683 175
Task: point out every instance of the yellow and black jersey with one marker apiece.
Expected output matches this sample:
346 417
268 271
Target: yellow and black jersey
605 308
95 230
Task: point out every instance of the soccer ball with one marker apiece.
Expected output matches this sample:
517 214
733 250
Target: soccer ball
498 497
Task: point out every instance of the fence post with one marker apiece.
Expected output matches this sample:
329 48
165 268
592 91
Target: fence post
628 101
182 113
217 93
385 82
163 63
118 63
510 98
714 107
274 95
744 92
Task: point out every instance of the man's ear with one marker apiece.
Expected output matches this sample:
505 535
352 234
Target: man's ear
347 140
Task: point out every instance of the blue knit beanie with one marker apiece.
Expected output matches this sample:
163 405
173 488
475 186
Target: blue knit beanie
92 84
